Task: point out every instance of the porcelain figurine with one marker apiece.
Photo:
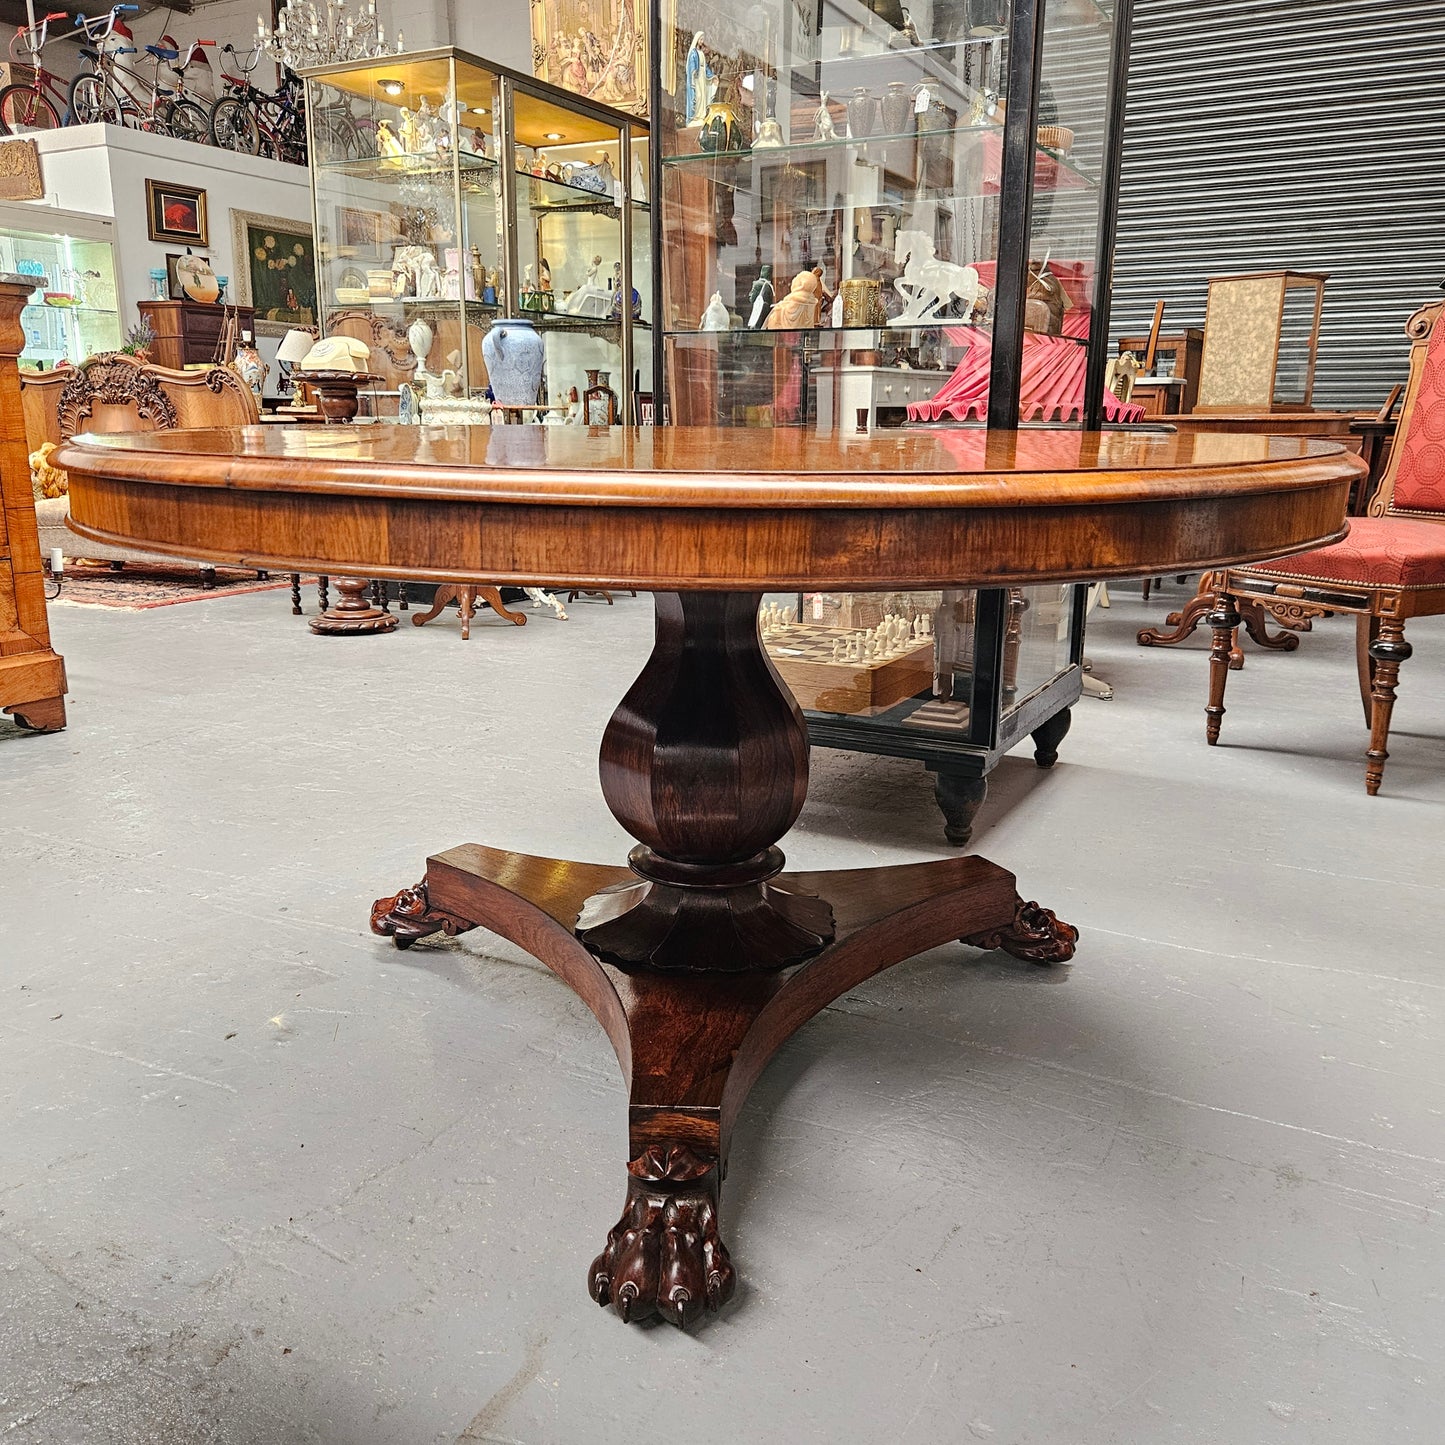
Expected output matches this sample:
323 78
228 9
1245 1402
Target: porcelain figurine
428 276
701 82
589 299
823 127
387 143
408 131
716 317
515 356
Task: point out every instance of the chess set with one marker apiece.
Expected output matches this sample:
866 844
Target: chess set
849 669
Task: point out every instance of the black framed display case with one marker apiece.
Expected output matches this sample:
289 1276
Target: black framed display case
870 216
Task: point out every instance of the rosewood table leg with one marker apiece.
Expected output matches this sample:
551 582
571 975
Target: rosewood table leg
703 956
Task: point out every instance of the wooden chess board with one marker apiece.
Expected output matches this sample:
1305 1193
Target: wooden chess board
803 654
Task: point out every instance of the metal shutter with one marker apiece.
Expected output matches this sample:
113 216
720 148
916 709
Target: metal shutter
1307 134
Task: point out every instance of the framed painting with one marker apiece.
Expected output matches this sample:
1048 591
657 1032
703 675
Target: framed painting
176 213
369 231
275 264
596 48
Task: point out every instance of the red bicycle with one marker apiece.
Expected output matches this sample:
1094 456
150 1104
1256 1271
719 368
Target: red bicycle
29 106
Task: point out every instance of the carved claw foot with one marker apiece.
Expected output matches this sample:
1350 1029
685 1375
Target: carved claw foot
408 916
1035 935
664 1256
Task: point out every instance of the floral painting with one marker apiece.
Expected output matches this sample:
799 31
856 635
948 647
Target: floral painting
275 262
596 48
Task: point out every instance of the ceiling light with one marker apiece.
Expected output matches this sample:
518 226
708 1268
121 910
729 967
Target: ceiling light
391 87
554 135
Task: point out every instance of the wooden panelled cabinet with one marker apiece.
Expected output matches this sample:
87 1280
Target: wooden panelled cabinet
32 675
187 332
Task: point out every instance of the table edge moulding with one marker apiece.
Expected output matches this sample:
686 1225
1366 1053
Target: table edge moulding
32 673
703 953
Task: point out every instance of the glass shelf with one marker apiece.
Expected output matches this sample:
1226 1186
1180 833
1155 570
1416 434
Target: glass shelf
1055 171
422 165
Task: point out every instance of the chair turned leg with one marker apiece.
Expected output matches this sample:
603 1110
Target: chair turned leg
1223 619
1388 650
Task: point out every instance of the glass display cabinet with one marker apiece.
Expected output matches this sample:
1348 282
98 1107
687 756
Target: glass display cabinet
73 313
872 216
450 192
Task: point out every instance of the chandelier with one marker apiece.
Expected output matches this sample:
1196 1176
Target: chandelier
309 34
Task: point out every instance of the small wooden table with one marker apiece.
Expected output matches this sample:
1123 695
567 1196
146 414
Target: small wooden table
701 956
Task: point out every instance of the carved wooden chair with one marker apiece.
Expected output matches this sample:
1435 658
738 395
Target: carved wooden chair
118 393
1390 568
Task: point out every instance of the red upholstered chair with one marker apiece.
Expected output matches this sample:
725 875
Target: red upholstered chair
1390 568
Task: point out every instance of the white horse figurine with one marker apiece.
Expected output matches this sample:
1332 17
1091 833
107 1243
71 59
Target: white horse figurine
927 284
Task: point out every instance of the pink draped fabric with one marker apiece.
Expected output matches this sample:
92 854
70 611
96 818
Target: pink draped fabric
1053 371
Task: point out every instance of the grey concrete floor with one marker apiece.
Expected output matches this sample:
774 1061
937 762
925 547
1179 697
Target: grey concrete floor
265 1180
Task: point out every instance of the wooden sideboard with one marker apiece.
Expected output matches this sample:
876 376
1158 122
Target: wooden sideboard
32 674
187 331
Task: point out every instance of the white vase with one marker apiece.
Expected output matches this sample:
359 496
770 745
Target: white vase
419 336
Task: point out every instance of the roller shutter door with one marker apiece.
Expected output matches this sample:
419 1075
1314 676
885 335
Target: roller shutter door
1288 134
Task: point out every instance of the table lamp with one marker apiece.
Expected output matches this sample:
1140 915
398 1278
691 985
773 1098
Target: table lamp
294 345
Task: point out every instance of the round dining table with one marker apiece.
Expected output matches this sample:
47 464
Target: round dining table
702 953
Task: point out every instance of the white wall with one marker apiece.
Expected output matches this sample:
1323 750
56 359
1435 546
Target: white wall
499 30
102 170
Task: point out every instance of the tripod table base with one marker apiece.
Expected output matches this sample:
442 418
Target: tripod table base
692 1043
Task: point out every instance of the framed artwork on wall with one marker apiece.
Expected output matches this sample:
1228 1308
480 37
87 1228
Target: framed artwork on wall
176 213
275 266
596 48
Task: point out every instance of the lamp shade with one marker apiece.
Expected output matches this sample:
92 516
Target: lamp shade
294 345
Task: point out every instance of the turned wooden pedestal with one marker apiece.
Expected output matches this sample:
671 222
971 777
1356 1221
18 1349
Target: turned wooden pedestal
703 955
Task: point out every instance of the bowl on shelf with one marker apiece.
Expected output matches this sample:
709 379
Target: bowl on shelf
59 298
1056 138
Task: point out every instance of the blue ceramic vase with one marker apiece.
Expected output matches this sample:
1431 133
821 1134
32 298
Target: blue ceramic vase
514 354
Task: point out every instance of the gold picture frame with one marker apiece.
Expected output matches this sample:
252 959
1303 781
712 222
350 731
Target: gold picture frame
594 48
274 261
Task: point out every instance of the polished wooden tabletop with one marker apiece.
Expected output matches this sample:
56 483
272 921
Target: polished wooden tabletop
705 508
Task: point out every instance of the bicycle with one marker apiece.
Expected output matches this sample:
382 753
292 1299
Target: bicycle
113 93
94 94
26 105
257 122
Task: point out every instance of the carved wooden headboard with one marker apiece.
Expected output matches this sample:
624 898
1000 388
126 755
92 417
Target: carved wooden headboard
117 393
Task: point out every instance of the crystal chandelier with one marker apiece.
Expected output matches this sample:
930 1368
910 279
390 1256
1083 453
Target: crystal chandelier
309 33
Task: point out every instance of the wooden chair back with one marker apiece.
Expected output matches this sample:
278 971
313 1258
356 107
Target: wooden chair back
1414 480
117 393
